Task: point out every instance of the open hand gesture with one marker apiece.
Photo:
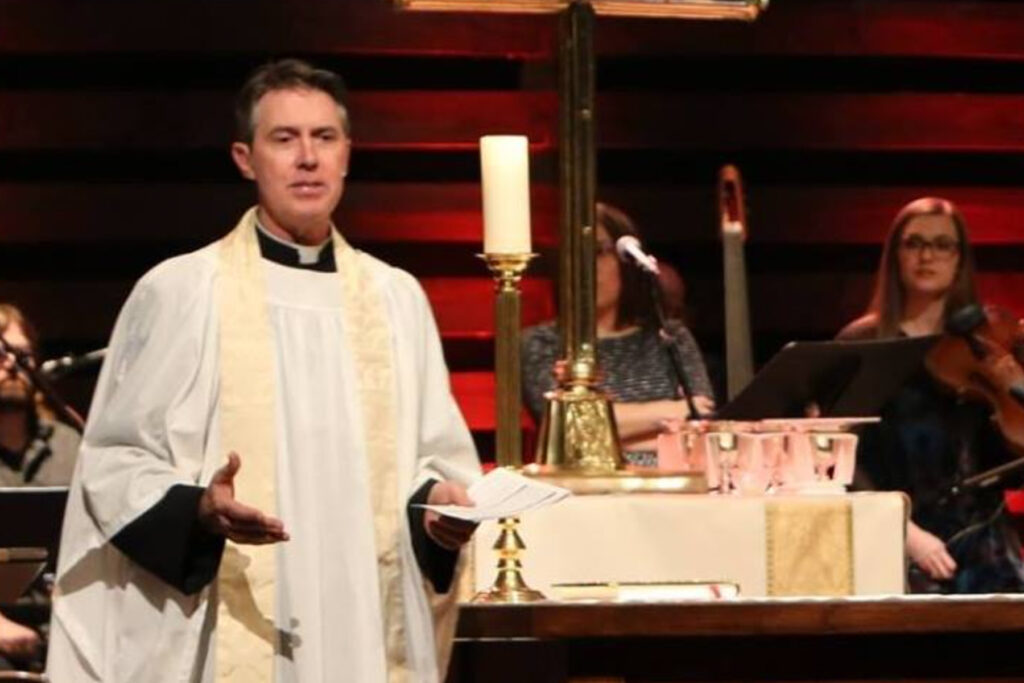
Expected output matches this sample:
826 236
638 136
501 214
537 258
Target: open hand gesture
221 514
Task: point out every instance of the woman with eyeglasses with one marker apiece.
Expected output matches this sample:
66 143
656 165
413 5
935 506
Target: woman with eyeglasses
928 439
637 371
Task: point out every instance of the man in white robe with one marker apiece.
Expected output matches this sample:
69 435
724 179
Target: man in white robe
351 404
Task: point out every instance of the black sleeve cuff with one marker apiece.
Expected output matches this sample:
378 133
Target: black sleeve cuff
436 562
168 540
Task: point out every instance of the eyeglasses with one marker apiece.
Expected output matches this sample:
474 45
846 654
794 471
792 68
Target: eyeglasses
942 247
15 354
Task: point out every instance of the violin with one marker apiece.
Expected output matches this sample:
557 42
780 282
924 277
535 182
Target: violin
981 357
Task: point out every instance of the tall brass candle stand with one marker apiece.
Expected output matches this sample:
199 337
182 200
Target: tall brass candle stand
507 270
578 444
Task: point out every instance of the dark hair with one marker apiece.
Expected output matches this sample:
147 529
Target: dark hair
890 295
11 314
635 304
285 74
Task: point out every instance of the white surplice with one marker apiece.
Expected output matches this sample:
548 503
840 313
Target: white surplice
153 424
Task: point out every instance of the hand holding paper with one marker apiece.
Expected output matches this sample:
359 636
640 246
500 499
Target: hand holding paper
447 531
502 493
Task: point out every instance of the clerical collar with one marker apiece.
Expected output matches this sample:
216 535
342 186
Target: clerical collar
319 258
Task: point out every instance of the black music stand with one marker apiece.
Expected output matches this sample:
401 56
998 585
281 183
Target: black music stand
19 567
32 518
844 378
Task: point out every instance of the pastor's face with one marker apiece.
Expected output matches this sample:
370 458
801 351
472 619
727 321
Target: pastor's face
298 157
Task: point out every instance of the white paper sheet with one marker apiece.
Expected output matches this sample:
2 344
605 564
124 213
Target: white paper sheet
502 493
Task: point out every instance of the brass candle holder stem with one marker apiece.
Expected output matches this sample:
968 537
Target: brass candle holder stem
507 270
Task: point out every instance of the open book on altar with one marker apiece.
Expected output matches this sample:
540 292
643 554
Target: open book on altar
502 493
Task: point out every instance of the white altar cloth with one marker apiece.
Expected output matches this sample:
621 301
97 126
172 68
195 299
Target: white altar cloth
675 537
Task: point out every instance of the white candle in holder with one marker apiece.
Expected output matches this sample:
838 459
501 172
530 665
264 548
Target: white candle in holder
505 171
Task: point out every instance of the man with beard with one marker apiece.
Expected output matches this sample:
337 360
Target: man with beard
35 450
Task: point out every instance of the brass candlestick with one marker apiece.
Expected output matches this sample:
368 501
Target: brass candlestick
509 586
507 270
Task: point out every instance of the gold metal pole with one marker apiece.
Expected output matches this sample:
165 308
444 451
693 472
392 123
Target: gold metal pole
578 443
577 430
507 270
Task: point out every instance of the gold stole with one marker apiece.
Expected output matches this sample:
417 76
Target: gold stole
810 546
246 635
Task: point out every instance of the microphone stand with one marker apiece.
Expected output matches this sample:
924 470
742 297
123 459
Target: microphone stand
668 343
64 411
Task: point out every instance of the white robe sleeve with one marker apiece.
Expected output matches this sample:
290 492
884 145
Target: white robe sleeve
142 454
444 435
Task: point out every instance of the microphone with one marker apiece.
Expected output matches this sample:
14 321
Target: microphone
58 367
629 249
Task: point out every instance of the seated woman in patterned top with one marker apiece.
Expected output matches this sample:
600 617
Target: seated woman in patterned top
637 371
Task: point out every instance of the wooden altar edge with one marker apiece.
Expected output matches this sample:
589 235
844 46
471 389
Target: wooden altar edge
449 213
811 27
742 618
453 120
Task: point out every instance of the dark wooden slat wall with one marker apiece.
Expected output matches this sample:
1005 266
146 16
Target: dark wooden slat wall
115 120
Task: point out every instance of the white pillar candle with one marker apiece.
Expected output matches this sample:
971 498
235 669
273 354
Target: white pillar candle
505 172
